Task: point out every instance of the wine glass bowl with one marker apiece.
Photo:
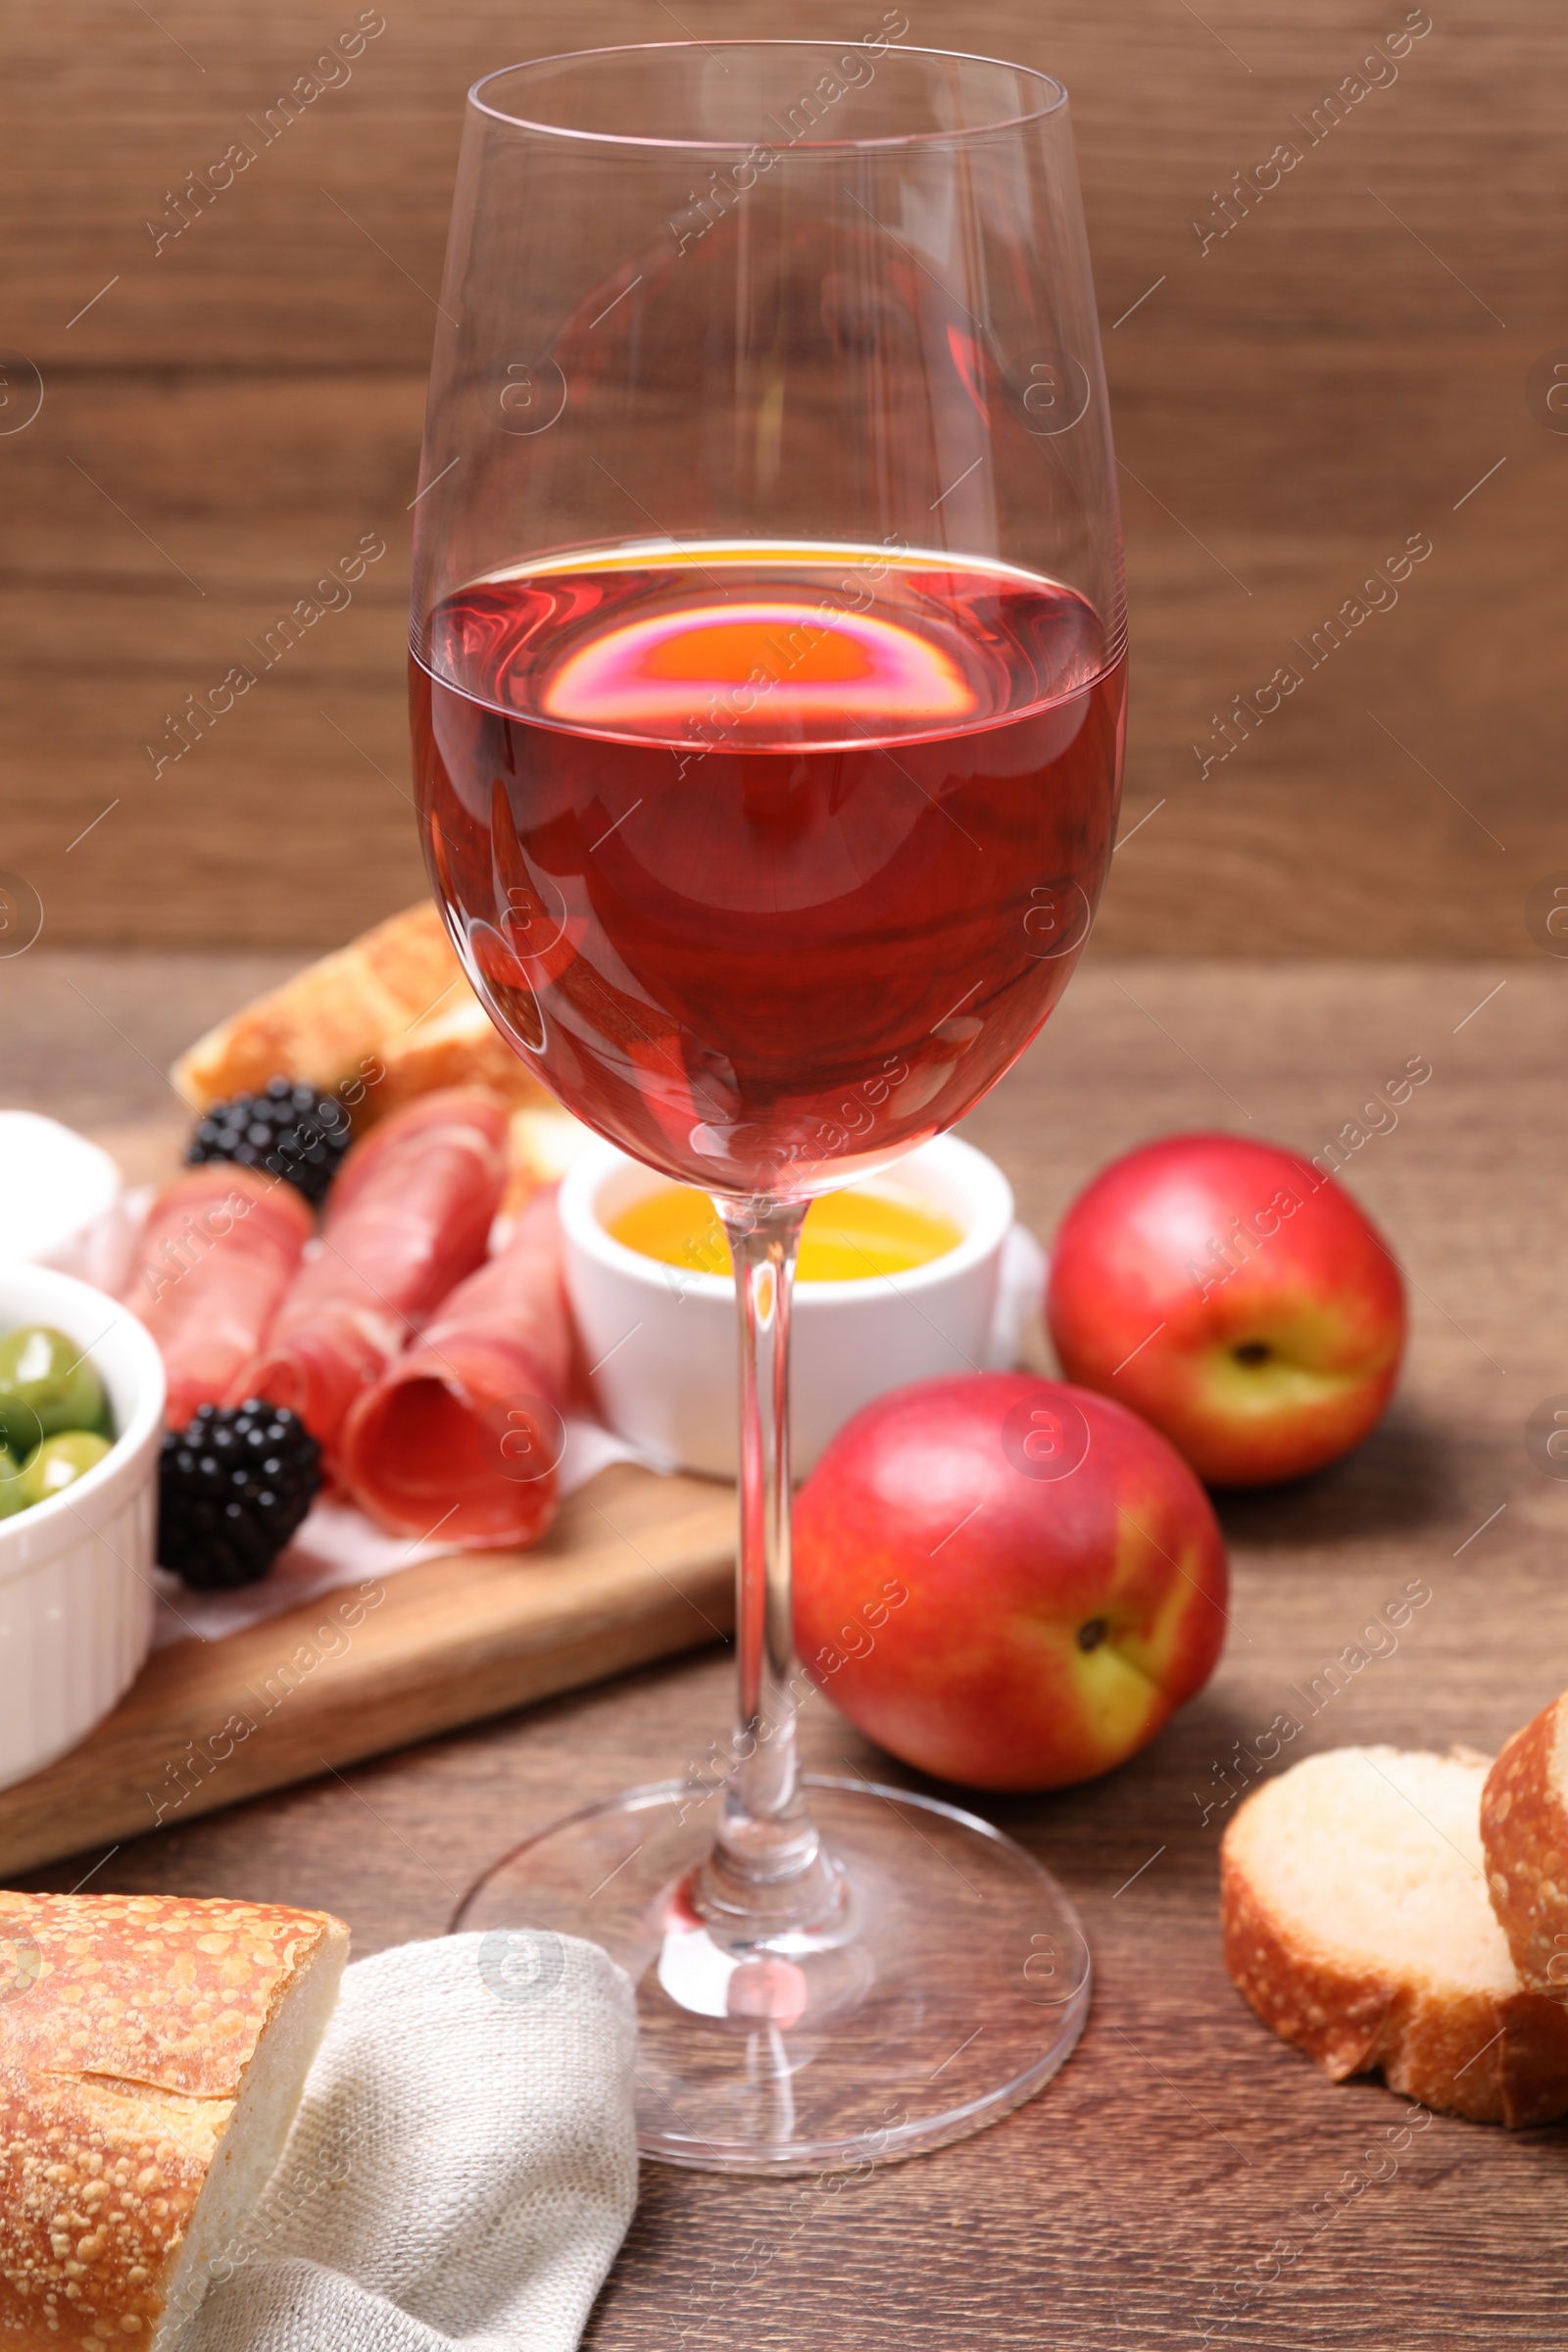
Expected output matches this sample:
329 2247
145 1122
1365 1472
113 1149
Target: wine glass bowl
883 919
767 672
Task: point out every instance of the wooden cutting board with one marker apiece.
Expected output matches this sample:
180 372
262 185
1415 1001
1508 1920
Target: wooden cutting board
636 1567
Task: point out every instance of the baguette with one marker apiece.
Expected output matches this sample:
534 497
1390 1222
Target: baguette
1353 1902
459 1045
332 1017
1524 1833
152 2054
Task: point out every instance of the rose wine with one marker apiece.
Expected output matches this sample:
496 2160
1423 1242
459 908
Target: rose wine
769 859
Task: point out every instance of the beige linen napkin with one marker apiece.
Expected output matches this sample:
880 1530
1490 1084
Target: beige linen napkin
462 2168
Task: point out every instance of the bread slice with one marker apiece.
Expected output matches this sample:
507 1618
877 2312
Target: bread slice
331 1018
1354 1899
1524 1835
152 2055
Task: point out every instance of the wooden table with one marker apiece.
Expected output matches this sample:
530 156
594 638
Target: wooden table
1182 2145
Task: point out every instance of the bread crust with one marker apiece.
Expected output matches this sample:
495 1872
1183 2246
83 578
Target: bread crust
1496 2061
1336 2018
329 1018
1524 1835
127 2024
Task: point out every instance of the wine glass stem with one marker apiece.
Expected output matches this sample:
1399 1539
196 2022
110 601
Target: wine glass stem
766 1871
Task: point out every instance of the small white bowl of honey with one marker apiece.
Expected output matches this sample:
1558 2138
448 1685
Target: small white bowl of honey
897 1280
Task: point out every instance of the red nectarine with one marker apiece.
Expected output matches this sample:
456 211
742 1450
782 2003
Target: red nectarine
1006 1581
1236 1297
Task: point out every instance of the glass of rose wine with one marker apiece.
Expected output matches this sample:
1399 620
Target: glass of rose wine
768 664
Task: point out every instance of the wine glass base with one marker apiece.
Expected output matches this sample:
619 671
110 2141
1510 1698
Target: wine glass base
950 1988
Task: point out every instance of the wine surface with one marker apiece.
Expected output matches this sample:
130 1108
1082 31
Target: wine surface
769 859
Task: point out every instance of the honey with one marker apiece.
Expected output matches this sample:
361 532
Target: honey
849 1237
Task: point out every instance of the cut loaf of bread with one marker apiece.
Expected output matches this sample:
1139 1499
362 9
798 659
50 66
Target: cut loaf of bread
1524 1833
1354 1897
390 1016
459 1045
152 2055
329 1019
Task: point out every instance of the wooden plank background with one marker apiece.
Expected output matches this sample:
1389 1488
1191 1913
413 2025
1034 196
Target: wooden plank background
224 417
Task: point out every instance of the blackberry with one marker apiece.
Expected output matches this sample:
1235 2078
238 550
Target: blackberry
233 1488
292 1130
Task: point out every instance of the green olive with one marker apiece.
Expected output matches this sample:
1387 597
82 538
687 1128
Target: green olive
12 1498
46 1385
59 1462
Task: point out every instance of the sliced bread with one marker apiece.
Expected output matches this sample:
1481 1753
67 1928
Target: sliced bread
1353 1898
152 2055
1524 1835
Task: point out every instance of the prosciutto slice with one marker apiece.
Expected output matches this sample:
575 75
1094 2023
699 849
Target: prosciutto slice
460 1439
217 1254
407 1216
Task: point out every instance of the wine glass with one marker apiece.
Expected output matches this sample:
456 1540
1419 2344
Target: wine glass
767 706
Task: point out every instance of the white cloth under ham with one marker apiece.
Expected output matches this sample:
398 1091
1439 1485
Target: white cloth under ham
217 1254
465 1430
408 1217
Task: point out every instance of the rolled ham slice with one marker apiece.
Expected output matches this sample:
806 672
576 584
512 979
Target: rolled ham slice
217 1254
407 1216
460 1439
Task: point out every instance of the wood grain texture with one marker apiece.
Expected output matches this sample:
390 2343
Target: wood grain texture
1345 363
1159 2196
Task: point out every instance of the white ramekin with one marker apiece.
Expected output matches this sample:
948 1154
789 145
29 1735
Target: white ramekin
62 1201
76 1572
660 1342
